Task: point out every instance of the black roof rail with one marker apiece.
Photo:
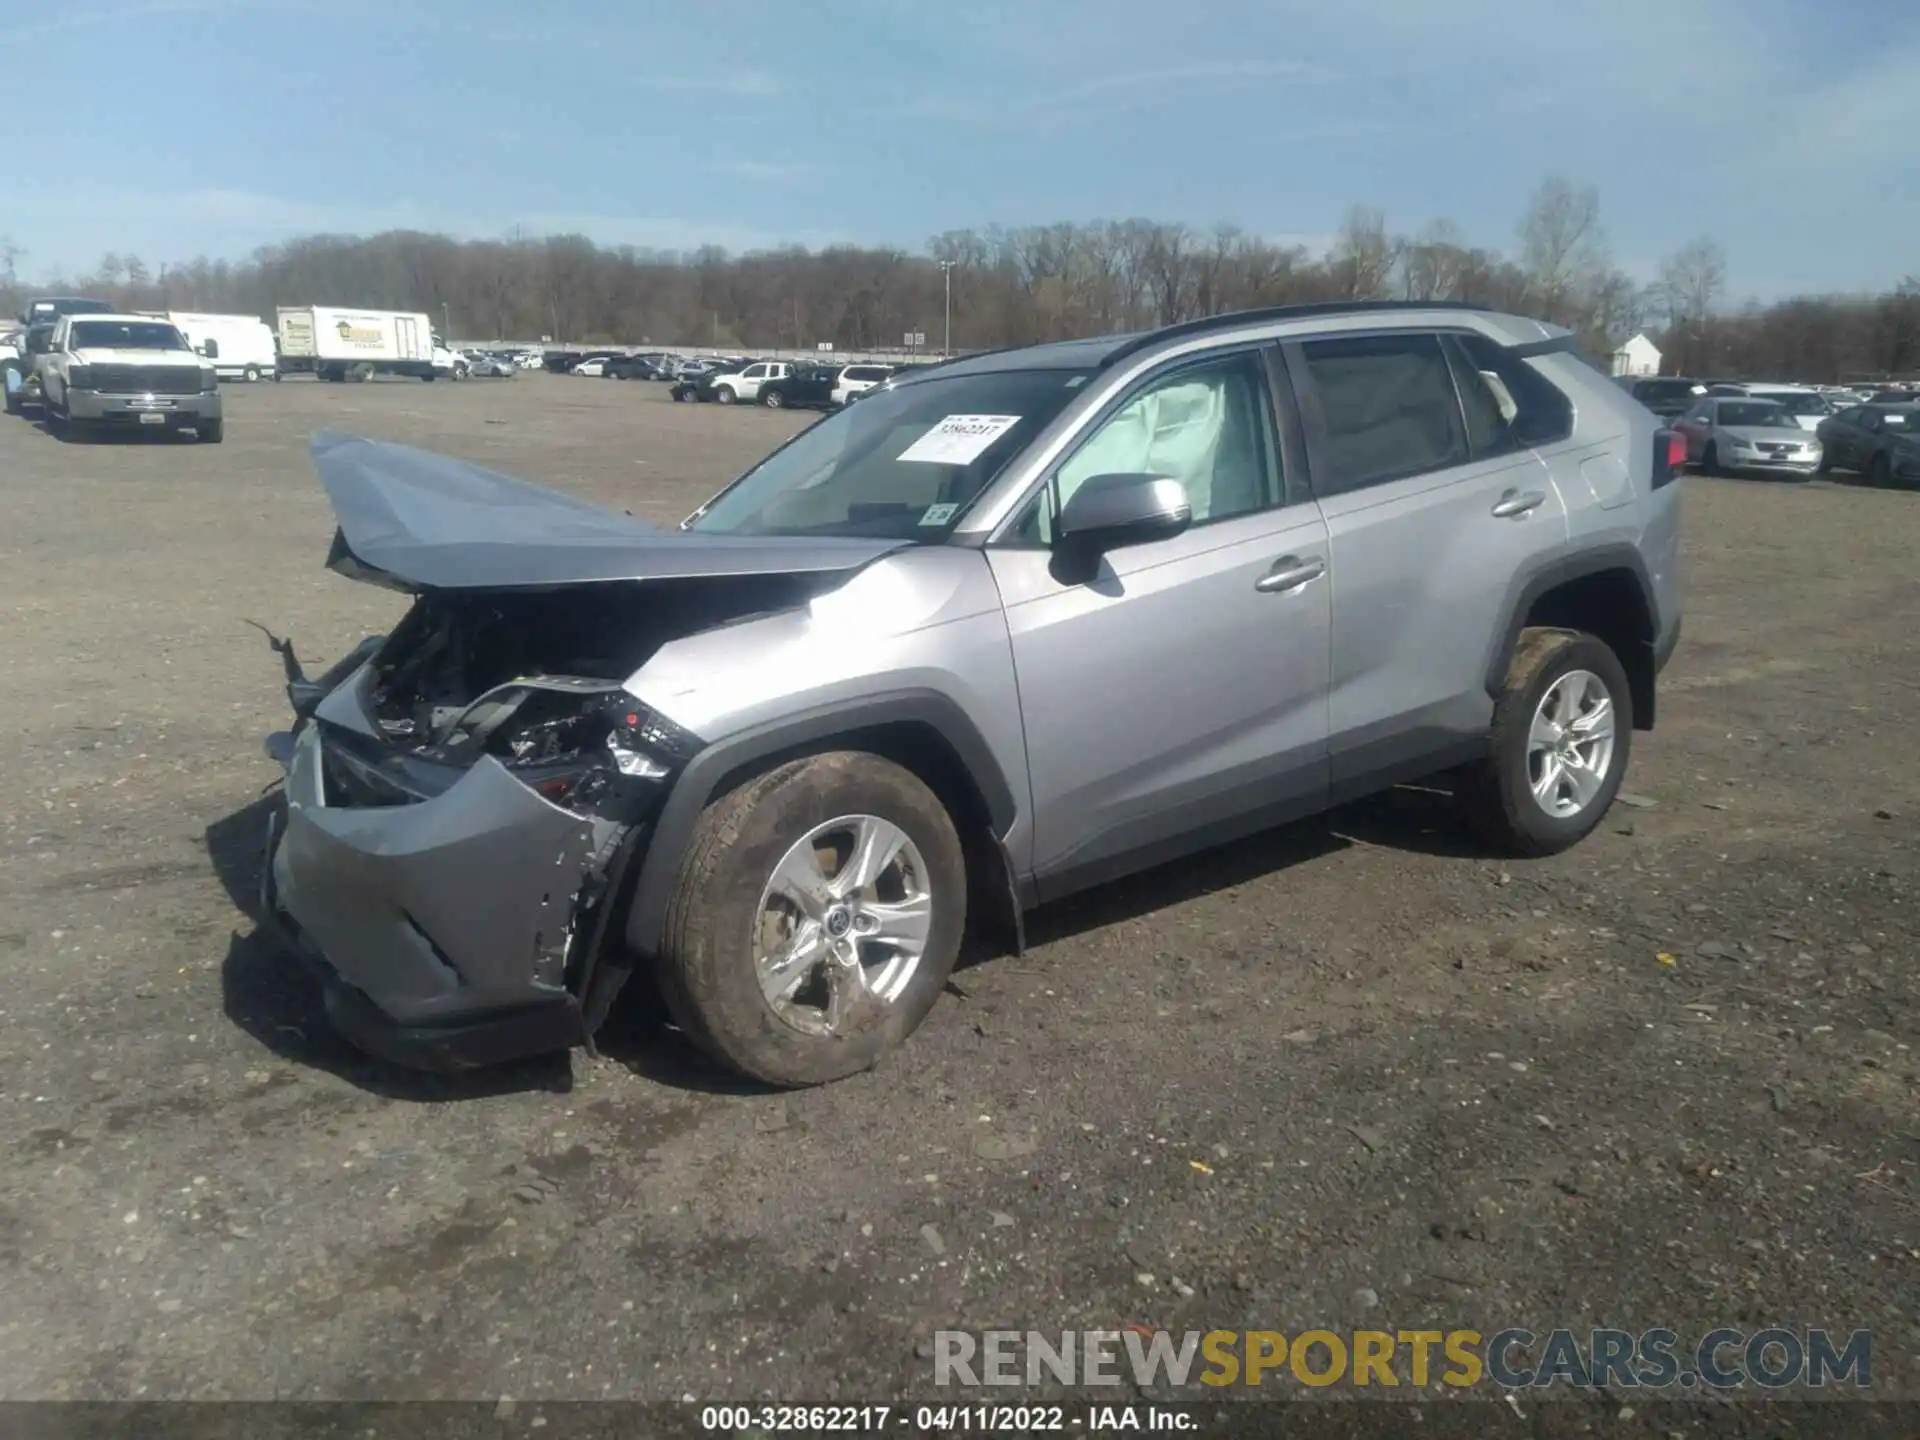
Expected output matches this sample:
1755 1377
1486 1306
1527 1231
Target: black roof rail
1233 318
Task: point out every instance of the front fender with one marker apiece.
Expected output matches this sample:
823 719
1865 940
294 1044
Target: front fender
706 777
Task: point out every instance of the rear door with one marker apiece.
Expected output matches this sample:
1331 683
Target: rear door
1432 507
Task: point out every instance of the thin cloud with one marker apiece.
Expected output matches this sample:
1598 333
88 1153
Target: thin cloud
118 15
770 172
748 84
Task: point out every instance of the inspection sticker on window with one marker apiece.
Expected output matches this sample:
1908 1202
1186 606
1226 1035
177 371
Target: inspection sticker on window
938 514
959 439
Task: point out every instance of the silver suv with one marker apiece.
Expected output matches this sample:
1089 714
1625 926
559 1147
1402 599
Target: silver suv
1011 626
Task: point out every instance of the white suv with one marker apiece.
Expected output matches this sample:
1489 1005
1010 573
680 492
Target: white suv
856 380
746 385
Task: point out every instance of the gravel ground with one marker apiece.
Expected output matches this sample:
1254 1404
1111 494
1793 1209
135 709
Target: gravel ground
1349 1073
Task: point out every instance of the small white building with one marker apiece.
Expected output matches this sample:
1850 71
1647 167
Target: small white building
1639 356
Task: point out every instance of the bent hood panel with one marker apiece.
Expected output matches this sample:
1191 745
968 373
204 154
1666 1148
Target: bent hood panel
427 521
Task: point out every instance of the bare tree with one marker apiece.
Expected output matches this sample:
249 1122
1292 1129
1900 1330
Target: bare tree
1362 255
1562 248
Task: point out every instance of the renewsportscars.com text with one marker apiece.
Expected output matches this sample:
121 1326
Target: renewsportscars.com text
1772 1358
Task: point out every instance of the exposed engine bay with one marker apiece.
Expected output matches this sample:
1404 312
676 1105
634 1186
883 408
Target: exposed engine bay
534 677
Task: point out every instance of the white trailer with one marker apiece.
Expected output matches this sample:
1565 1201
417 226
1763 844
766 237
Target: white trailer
339 344
241 347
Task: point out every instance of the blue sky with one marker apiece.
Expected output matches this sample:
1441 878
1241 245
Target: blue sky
1789 129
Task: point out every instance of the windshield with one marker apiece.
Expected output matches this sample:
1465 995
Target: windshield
1798 404
903 464
124 335
1757 412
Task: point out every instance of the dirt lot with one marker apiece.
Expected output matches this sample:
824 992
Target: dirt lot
1350 1073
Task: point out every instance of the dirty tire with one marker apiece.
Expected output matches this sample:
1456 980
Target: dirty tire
706 963
724 396
772 399
1495 793
1879 472
251 375
1710 460
211 432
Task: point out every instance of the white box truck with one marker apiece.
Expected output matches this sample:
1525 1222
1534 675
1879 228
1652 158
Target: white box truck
241 347
339 344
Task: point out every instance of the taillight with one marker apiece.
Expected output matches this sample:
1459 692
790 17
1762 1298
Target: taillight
1669 456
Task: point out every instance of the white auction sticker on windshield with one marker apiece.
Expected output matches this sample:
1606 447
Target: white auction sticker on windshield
959 439
938 514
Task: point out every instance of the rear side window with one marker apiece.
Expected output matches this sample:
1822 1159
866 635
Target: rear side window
1387 409
1531 407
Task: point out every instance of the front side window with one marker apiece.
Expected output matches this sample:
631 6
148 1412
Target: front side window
1387 410
124 335
905 463
1205 426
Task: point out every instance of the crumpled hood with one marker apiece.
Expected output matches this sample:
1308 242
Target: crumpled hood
422 521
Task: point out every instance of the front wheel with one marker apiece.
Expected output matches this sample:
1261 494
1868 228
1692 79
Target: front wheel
1879 472
1710 460
1562 729
816 919
211 432
724 397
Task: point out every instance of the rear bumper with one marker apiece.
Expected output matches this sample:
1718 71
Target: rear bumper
442 931
95 405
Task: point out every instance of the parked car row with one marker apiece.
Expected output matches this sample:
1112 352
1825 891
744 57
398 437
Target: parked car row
1759 433
784 384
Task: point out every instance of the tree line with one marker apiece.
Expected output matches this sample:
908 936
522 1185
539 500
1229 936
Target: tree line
1018 285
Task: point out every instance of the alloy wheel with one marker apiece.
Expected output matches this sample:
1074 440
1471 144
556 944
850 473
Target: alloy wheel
842 925
1570 744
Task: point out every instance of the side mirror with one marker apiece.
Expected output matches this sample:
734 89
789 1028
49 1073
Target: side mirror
1109 511
210 349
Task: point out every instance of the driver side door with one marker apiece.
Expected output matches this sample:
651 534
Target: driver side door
1176 697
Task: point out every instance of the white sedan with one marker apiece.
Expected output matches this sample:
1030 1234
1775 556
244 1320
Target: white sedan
593 369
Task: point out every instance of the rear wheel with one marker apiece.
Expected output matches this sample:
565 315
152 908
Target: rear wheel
251 374
817 917
1562 729
772 399
14 383
211 432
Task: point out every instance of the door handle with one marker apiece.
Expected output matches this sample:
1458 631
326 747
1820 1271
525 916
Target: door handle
1516 503
1290 572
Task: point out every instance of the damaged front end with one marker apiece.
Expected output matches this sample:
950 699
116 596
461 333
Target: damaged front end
466 796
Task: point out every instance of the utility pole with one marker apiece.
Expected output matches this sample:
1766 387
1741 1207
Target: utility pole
946 340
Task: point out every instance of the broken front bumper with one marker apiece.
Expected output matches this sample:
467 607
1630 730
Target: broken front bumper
444 931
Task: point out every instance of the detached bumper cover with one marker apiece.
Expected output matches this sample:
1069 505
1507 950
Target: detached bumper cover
441 929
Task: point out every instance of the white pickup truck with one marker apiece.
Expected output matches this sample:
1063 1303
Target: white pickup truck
126 372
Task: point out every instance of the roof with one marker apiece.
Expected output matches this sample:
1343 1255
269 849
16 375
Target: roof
114 318
1101 351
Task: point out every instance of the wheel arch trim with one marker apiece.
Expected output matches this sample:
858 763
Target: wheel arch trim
738 756
1527 589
